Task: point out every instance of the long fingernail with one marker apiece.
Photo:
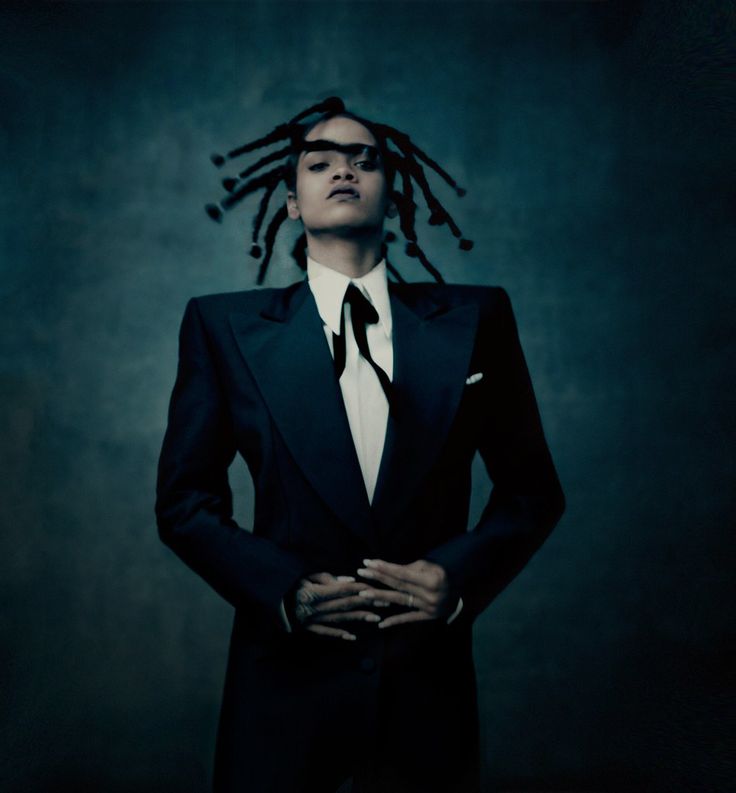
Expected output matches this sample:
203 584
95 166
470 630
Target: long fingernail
348 637
365 573
365 593
381 603
345 578
369 562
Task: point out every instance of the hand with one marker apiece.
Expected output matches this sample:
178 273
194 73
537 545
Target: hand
422 586
323 599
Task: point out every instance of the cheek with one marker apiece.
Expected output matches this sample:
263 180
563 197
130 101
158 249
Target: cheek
381 196
381 188
307 184
307 195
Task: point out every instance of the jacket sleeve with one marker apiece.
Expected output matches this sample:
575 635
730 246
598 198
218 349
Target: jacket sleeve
193 495
527 500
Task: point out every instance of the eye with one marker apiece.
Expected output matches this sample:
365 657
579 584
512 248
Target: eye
317 166
367 165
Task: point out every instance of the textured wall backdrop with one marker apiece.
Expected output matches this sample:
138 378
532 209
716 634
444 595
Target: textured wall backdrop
596 143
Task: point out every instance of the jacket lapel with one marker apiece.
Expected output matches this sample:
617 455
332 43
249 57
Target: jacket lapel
286 350
432 343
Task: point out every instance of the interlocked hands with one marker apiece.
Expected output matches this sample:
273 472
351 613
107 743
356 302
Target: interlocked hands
322 599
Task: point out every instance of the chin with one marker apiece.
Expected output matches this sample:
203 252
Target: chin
347 230
344 222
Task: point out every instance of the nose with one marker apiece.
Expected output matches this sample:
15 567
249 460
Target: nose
343 171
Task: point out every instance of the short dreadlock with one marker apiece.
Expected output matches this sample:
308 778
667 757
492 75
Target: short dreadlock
406 163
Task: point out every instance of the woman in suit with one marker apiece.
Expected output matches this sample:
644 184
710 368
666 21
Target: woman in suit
358 405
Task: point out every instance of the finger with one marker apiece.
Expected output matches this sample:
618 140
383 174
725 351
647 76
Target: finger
419 572
336 632
392 582
311 597
340 604
327 578
406 599
427 589
345 616
400 619
337 589
320 578
426 593
402 571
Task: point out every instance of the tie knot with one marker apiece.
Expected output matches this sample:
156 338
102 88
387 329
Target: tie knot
360 306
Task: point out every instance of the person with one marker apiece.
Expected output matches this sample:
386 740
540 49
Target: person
358 404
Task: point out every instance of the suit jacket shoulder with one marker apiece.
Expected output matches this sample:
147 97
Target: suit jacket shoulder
214 309
492 301
244 299
456 293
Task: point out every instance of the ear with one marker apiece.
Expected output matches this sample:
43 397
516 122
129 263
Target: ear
391 209
292 207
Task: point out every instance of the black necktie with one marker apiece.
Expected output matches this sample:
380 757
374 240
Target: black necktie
362 313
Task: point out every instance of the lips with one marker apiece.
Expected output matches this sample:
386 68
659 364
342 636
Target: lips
349 191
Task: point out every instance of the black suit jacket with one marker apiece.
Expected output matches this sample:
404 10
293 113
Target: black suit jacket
255 377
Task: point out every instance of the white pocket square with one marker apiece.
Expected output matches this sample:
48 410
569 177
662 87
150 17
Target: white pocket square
474 378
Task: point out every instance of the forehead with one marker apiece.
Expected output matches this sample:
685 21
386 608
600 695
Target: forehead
341 130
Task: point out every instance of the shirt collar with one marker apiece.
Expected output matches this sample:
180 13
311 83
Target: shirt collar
329 286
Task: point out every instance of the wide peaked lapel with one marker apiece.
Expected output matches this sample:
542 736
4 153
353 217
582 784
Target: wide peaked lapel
285 348
433 342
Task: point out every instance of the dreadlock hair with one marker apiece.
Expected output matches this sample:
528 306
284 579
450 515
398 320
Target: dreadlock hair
405 161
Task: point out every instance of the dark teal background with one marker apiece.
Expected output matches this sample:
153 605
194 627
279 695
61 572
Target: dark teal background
596 141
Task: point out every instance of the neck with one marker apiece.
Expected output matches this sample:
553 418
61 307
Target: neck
351 256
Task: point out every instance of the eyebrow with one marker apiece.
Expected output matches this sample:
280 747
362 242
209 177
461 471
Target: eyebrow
346 148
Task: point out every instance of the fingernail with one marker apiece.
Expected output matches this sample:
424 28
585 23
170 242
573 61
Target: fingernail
368 562
345 578
380 603
348 637
373 618
382 625
365 573
365 593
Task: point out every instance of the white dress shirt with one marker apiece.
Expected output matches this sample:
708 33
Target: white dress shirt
365 402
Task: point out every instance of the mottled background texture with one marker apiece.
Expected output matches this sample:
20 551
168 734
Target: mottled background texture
596 141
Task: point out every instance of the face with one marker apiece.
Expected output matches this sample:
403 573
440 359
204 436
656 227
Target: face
340 191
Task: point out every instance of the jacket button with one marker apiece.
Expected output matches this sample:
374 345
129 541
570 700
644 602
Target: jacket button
367 665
